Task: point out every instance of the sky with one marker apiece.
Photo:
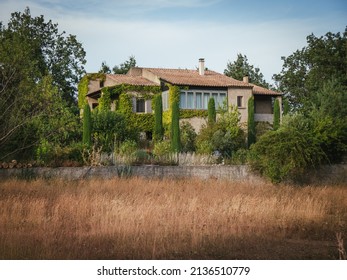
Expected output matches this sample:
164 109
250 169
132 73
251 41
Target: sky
175 34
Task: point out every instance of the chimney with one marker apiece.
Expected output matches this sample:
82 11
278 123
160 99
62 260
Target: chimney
246 79
201 66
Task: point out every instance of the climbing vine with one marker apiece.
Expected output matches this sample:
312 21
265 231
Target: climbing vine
83 86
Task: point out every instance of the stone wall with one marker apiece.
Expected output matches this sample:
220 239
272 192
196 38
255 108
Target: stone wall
336 174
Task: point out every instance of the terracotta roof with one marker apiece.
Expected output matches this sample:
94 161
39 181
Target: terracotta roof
192 78
117 79
264 91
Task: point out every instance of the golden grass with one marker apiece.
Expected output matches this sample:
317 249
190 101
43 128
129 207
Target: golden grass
168 219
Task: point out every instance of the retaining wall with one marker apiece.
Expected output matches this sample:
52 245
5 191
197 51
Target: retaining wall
335 174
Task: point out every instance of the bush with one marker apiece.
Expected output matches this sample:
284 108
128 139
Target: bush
162 148
128 147
188 137
288 151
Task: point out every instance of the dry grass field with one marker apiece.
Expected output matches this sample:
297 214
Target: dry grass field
169 219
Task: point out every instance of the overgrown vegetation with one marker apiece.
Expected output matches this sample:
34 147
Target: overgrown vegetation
40 68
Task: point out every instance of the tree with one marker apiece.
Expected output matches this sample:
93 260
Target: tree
158 118
211 109
251 135
305 71
105 68
32 54
305 139
225 136
241 68
109 128
277 115
286 107
175 118
124 67
87 126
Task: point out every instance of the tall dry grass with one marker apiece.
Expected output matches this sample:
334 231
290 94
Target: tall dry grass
168 219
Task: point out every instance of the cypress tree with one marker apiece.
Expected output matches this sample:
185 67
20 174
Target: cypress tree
158 118
285 106
87 126
276 122
211 111
175 119
250 122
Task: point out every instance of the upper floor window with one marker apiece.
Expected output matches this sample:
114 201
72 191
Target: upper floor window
140 105
199 99
240 101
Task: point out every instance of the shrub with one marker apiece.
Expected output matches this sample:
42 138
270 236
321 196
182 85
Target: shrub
128 147
188 137
108 128
288 151
162 148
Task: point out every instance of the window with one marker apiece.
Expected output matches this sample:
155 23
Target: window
190 100
239 101
199 99
165 101
183 101
140 106
220 100
206 99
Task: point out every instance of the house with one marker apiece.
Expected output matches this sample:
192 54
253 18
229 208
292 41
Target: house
197 87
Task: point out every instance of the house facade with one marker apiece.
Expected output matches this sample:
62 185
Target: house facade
197 87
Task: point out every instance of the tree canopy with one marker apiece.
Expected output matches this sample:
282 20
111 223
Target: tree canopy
123 68
241 68
39 71
305 71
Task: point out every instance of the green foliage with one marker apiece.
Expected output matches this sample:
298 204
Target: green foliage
261 128
305 140
211 109
188 137
251 133
83 86
143 122
174 96
288 151
123 68
105 100
105 68
109 128
128 147
87 126
204 147
158 131
162 148
240 157
225 136
305 71
241 68
39 71
286 107
191 113
277 115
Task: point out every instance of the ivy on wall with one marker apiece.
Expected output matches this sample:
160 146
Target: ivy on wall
83 86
